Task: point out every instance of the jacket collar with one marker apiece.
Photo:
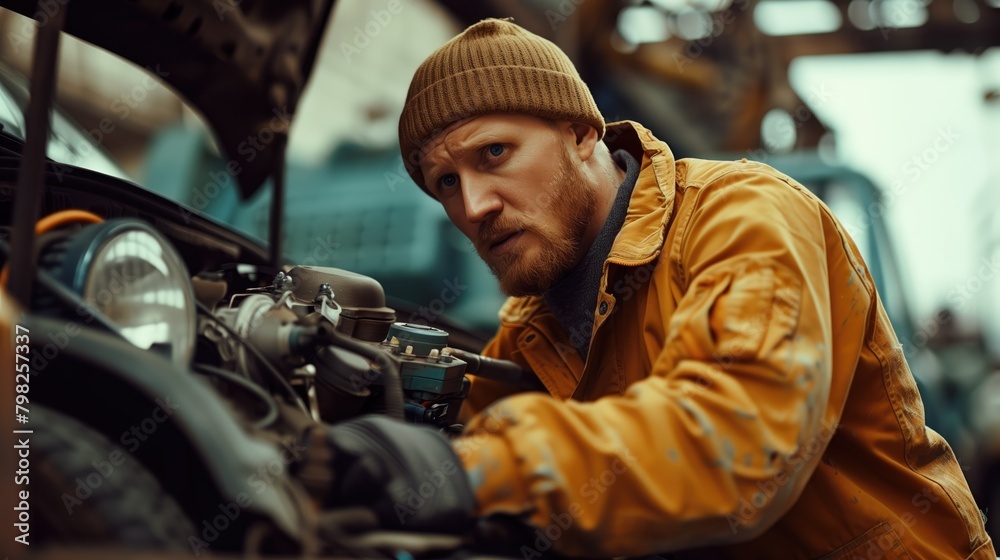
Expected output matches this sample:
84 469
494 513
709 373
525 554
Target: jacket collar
643 233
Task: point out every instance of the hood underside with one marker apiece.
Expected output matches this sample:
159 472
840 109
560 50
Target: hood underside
241 63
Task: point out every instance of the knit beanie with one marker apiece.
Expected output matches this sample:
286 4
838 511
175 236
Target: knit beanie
494 66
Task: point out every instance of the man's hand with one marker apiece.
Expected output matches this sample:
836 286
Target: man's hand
409 475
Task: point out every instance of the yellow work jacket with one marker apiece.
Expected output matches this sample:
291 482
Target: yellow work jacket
744 395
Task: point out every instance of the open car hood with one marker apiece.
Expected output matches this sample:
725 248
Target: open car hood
242 63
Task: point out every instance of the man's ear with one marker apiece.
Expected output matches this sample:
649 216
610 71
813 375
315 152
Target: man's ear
584 137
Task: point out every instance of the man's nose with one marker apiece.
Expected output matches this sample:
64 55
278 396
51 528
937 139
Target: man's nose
481 199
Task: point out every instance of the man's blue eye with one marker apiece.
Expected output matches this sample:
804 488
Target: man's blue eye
496 150
449 180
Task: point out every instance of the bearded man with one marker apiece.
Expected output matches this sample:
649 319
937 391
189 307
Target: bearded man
722 379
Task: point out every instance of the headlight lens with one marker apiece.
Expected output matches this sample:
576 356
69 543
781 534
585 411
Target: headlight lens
129 272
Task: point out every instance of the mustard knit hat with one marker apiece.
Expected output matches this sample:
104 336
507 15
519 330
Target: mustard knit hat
494 66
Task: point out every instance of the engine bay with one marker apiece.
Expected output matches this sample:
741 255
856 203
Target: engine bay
284 351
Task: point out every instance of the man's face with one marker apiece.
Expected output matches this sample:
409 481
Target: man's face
512 186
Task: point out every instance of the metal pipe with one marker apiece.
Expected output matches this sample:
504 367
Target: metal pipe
276 229
31 173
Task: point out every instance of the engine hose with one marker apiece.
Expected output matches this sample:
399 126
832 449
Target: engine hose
393 382
502 371
249 386
56 220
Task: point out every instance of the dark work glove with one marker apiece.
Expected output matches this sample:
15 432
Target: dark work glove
408 475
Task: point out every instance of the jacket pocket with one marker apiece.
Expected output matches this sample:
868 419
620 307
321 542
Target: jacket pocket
878 543
758 310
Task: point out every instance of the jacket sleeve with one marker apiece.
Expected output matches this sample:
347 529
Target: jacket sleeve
719 440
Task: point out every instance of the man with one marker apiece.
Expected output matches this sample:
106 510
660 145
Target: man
724 382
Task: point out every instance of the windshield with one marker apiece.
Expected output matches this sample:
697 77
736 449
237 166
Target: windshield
68 143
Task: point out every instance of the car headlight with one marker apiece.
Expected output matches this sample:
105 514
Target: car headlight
129 272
